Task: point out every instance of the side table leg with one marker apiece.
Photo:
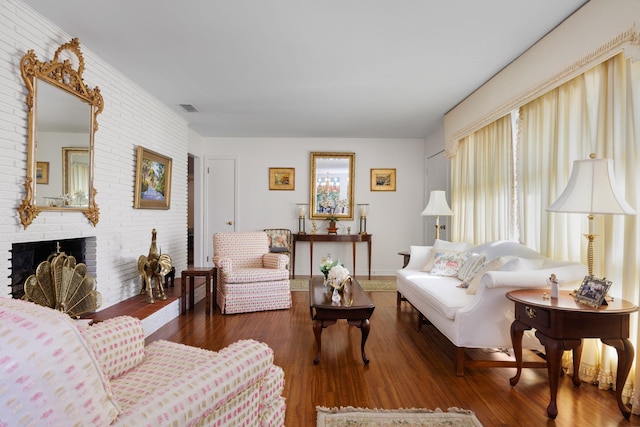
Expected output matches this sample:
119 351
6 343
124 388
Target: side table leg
625 359
517 330
192 285
183 294
207 283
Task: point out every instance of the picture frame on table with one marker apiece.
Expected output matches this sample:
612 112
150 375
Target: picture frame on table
383 179
153 180
282 179
593 291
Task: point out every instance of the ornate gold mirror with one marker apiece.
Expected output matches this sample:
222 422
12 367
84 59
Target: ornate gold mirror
331 185
62 123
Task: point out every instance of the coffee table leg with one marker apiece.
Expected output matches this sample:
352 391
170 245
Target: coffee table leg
365 326
317 331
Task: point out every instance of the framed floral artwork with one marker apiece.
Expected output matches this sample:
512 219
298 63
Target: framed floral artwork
383 179
153 180
282 178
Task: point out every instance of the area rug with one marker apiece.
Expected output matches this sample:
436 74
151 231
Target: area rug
362 417
367 285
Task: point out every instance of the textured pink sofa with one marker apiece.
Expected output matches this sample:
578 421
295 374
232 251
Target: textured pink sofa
56 373
250 278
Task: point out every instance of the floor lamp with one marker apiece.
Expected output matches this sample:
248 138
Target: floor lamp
437 207
592 190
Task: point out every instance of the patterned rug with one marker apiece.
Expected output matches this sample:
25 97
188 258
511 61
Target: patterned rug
367 285
362 417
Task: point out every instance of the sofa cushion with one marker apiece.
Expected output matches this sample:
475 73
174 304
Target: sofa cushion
118 344
49 374
440 293
471 267
523 264
492 265
443 245
446 263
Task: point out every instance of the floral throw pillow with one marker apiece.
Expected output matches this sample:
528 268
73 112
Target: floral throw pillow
447 263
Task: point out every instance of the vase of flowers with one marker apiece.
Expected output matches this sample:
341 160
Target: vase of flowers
326 265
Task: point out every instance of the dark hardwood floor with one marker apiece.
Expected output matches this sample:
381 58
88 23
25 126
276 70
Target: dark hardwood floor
407 369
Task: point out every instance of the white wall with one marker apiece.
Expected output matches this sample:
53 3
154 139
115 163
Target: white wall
394 217
131 117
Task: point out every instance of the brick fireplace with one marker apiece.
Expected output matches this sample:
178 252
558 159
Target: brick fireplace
25 258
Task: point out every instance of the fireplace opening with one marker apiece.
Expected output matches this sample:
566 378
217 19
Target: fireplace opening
25 258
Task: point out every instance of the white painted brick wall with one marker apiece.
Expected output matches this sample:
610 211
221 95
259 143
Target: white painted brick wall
131 117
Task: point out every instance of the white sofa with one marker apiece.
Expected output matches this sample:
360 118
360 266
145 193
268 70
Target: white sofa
479 319
56 372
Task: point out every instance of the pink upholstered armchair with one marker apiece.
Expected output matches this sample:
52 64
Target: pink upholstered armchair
250 278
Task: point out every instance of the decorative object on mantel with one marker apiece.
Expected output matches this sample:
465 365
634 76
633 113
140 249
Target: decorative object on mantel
153 267
314 227
363 208
437 206
55 89
592 190
63 285
361 417
302 207
153 180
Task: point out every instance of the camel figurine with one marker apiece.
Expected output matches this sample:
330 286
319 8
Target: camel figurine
154 266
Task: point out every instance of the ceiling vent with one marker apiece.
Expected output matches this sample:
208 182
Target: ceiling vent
189 108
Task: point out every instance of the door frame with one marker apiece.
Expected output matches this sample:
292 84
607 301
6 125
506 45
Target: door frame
208 240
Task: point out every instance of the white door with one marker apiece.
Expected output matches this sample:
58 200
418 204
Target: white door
221 199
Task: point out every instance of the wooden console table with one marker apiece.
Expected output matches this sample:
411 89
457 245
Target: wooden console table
337 238
561 324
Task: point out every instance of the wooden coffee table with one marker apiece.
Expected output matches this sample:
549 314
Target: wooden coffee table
355 306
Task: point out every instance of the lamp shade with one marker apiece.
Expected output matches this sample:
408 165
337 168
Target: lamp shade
592 190
437 205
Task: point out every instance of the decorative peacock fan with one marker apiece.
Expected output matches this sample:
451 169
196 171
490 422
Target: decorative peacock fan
63 285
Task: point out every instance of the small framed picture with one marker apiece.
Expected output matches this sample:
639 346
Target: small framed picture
153 180
383 179
593 291
42 172
282 178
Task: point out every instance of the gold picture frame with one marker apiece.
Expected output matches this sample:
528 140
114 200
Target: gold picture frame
153 180
42 172
383 179
282 179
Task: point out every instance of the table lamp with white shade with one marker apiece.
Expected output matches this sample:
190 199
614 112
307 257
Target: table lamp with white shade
592 190
437 206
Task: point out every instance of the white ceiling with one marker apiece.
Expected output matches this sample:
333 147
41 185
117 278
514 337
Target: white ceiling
308 68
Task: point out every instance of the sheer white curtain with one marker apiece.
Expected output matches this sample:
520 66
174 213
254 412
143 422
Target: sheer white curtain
597 112
482 183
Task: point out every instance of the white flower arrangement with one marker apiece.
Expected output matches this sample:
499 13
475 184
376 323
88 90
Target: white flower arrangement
337 275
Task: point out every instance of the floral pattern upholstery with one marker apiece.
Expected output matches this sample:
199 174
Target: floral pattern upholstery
250 278
56 373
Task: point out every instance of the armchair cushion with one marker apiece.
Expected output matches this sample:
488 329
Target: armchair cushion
250 275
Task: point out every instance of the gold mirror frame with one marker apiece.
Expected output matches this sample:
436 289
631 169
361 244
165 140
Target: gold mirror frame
61 74
327 195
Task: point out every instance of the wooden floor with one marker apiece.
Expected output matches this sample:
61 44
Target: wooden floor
407 369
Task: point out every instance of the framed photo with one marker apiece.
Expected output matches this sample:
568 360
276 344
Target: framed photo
153 180
42 172
282 178
593 291
383 179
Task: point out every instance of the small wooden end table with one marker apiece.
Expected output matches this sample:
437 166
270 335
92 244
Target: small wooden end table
561 324
324 312
188 276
